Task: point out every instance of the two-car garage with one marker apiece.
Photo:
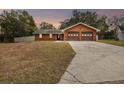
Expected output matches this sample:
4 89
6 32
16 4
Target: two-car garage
80 32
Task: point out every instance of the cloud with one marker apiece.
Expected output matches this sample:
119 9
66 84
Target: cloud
111 12
55 16
55 22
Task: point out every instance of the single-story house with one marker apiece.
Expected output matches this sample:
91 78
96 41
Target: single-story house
77 32
48 34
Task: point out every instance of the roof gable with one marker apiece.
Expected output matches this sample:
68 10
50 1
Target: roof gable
81 24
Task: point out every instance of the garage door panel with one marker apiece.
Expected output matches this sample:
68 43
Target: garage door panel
87 36
73 36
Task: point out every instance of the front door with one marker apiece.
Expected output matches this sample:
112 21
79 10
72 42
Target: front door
58 37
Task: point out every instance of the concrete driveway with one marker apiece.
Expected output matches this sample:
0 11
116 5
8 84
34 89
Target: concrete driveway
94 63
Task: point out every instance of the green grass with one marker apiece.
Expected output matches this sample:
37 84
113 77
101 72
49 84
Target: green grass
113 42
34 62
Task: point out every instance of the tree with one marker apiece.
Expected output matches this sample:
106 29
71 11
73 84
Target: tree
103 26
16 23
45 25
90 18
27 23
114 25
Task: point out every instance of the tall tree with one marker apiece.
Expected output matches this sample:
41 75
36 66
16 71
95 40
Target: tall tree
45 25
27 23
114 25
16 23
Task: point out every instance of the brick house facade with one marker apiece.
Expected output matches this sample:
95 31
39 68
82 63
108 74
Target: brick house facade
77 32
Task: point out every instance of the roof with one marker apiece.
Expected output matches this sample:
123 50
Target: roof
48 31
81 24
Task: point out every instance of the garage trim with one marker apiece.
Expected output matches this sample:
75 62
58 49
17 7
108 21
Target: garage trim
82 24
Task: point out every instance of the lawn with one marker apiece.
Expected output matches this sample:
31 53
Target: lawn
113 42
34 62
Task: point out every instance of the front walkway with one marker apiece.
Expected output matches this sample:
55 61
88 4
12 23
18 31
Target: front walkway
94 62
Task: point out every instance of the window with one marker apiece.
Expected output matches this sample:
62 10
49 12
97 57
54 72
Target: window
40 35
50 35
90 34
82 34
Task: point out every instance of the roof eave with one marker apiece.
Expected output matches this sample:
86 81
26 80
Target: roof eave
82 24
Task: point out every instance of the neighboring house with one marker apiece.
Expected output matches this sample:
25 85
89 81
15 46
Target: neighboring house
120 34
119 31
77 32
116 24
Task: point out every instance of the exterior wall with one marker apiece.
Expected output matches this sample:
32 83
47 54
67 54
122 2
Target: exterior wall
24 39
79 28
97 37
46 37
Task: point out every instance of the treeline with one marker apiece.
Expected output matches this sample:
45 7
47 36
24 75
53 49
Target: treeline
16 24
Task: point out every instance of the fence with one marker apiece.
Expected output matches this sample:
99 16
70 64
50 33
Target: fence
24 39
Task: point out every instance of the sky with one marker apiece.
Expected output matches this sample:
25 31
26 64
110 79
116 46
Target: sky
55 16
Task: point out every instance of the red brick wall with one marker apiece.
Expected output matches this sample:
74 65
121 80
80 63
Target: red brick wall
46 37
79 28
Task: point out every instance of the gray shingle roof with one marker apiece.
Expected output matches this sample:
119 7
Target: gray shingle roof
48 31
